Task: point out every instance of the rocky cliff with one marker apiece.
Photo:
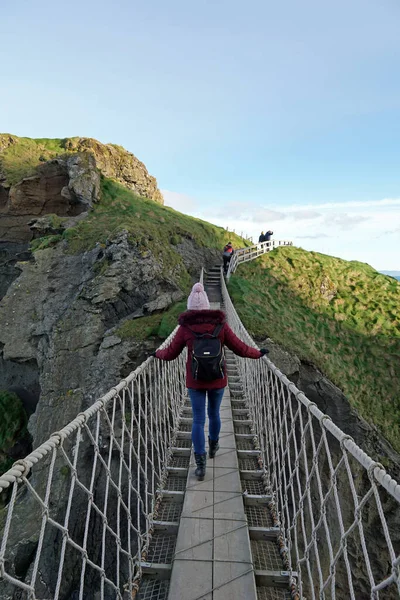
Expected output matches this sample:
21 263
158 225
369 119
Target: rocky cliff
61 177
82 258
86 265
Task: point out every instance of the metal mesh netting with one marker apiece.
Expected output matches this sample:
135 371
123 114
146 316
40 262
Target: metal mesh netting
266 555
161 549
337 509
181 462
258 516
169 510
253 486
266 593
153 589
241 428
248 464
185 427
183 443
174 483
244 444
240 417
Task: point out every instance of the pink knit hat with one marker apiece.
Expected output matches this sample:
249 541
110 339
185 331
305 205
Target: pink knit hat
198 298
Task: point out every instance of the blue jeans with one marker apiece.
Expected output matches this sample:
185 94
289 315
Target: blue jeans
198 400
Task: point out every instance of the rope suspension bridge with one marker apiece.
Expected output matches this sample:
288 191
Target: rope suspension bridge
290 508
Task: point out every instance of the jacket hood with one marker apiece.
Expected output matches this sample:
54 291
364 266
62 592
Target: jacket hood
196 317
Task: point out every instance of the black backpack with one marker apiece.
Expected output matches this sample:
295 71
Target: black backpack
207 356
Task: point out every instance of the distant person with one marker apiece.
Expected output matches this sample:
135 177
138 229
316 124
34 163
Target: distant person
268 236
261 238
201 329
227 255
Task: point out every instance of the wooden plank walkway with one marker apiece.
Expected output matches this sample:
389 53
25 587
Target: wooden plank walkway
213 557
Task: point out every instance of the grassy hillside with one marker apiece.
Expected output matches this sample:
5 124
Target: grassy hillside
343 316
151 226
158 325
22 158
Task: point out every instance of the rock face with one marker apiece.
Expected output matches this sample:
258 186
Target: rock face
67 185
59 345
115 162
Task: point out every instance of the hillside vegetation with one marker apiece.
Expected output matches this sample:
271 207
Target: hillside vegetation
151 227
343 316
21 159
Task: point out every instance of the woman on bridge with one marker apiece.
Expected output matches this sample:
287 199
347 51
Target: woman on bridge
200 325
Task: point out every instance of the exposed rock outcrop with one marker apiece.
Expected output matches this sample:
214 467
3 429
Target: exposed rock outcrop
10 255
117 163
59 336
66 185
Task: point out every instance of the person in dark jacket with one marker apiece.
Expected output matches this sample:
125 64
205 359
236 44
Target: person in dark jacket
268 235
227 254
261 238
201 319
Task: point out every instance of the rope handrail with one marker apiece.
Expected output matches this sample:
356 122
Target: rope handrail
84 502
335 506
23 466
109 464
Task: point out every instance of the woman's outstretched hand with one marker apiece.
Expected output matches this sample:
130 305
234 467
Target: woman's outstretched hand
264 351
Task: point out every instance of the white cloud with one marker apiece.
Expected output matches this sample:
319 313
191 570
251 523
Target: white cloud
305 214
357 230
349 204
181 202
249 211
317 236
344 221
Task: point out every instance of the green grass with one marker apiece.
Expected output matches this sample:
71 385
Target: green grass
45 242
150 226
158 325
343 316
21 159
12 425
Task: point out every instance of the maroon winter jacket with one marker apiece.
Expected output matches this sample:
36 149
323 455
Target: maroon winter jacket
204 321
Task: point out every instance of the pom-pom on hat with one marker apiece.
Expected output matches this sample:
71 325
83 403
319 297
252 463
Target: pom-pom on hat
198 299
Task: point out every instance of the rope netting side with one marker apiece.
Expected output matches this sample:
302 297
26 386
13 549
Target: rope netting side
79 515
338 510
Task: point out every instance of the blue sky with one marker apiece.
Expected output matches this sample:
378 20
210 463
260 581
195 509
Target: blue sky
243 111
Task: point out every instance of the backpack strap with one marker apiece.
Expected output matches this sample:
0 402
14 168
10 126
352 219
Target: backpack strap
217 330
